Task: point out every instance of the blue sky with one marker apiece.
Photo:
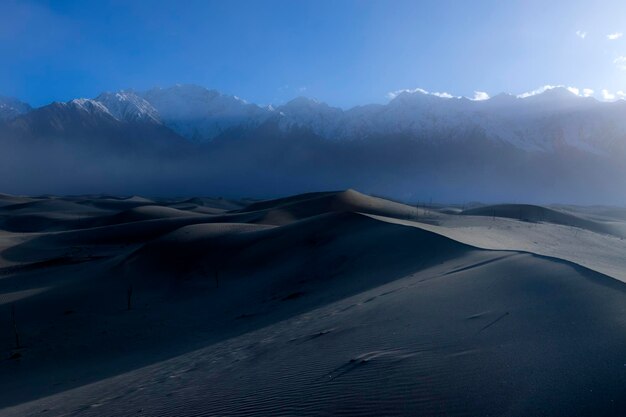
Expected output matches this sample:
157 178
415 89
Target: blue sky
343 52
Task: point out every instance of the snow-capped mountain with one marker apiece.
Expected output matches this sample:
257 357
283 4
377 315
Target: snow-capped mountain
187 139
129 107
542 122
89 106
60 118
11 108
200 114
548 121
321 118
88 123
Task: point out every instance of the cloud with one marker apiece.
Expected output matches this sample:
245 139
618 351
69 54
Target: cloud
581 34
393 94
587 92
606 95
620 62
614 36
537 91
480 96
443 95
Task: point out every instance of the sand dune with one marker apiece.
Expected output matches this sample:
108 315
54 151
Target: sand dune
147 213
207 203
594 249
331 303
286 210
530 213
8 200
49 206
326 245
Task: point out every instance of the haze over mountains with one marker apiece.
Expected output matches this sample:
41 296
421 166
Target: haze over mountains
185 139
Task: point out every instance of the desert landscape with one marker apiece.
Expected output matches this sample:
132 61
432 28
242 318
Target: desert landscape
278 208
315 304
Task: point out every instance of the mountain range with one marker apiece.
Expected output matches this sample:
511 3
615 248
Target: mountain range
187 138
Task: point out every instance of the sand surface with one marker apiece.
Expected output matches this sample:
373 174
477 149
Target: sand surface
330 303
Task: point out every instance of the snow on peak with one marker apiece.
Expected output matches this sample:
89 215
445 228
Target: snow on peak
201 114
321 118
416 92
302 105
128 106
393 94
302 101
11 108
552 91
88 105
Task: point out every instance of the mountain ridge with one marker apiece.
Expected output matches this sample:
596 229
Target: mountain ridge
540 121
190 140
